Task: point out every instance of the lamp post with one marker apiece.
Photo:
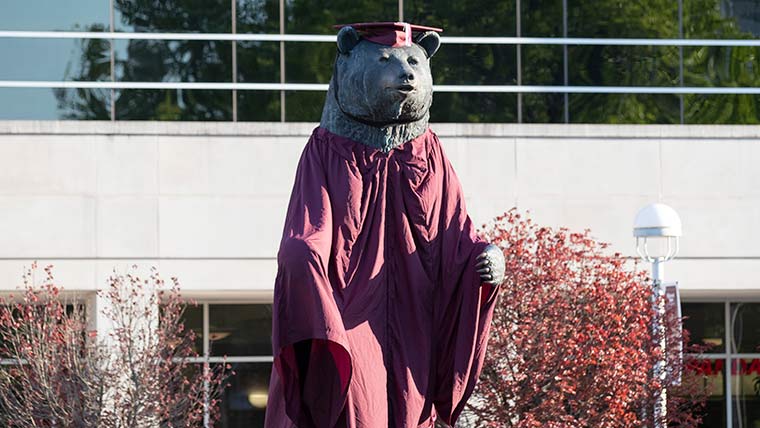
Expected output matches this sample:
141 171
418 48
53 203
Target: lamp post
660 225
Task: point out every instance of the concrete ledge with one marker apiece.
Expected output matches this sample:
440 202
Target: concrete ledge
494 130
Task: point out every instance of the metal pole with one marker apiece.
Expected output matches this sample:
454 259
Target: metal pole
658 327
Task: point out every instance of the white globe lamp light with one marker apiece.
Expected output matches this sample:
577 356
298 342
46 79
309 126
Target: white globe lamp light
660 225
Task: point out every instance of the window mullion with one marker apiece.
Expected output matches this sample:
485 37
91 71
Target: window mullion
206 333
729 363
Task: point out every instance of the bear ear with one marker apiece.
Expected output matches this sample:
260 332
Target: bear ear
430 41
348 38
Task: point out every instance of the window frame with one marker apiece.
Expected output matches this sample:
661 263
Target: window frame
728 356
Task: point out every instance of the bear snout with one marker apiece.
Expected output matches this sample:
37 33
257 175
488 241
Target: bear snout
407 76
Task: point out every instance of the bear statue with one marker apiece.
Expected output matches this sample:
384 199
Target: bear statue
384 292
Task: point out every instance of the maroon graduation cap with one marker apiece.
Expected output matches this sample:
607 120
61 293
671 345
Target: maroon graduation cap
393 34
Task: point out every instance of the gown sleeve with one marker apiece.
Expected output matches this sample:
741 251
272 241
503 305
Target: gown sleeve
310 347
464 306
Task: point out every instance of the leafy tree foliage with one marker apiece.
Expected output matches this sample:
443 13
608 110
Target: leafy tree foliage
572 342
59 373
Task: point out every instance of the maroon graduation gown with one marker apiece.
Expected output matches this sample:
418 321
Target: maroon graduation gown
380 319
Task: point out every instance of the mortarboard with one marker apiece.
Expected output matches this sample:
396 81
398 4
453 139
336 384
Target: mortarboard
393 34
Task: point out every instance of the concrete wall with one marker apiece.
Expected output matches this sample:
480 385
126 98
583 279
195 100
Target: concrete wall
205 201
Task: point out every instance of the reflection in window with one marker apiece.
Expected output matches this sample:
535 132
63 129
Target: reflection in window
745 386
744 12
245 400
624 108
706 325
543 108
721 109
745 325
319 16
55 59
258 106
176 16
309 62
53 104
178 61
304 106
713 375
262 16
464 18
473 107
459 64
722 66
623 65
173 104
619 19
241 333
258 62
541 18
173 61
240 329
55 15
721 19
542 65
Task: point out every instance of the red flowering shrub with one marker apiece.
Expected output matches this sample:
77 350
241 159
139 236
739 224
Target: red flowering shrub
572 344
59 373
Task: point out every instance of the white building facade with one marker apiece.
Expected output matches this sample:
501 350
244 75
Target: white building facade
206 202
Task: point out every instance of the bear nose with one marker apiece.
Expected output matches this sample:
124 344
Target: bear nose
407 76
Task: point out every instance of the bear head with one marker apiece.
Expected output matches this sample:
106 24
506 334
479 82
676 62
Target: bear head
381 85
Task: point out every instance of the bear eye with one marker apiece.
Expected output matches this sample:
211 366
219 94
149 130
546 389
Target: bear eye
384 58
412 60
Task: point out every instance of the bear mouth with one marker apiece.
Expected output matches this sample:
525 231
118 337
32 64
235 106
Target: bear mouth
405 88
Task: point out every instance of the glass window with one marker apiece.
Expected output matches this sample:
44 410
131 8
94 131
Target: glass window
55 59
745 384
721 19
319 16
193 320
173 104
173 61
721 109
304 106
542 65
746 13
706 325
177 16
543 108
464 18
722 66
745 325
240 329
623 65
713 375
459 64
541 18
620 19
51 15
309 62
258 62
624 108
259 16
258 106
245 400
241 332
473 107
53 104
